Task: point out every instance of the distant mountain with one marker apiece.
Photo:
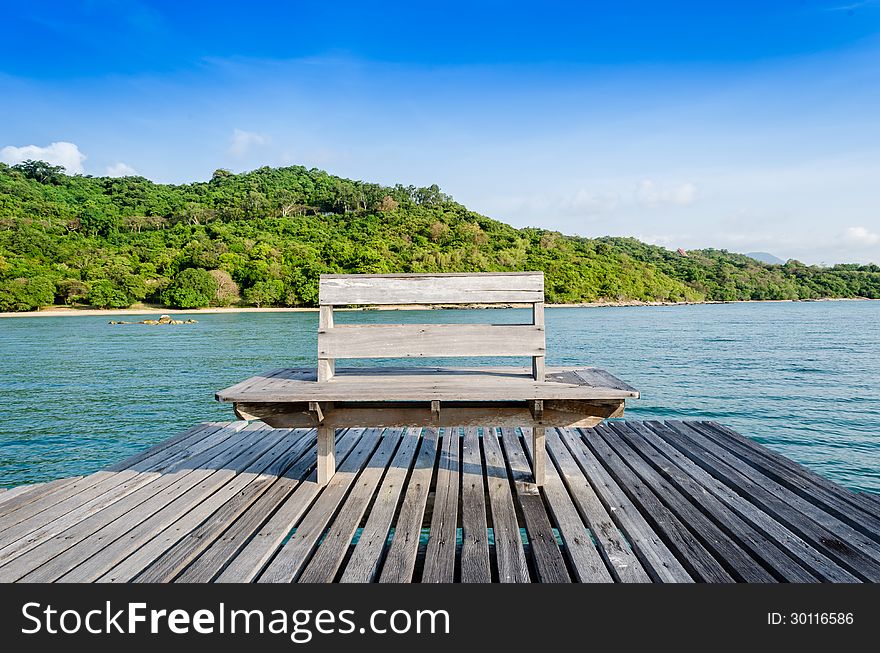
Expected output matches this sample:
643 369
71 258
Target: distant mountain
764 257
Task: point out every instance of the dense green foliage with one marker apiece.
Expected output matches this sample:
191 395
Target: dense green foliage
265 236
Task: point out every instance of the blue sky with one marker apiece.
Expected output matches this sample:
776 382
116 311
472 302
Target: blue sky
749 126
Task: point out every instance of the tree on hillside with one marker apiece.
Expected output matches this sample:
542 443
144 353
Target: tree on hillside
191 288
227 289
40 171
26 294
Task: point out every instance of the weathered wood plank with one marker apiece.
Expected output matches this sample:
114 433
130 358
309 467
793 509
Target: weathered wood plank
400 561
12 548
398 414
509 554
759 548
213 560
430 340
28 494
440 554
325 562
690 551
619 557
595 377
102 493
471 288
12 492
424 384
326 454
87 537
223 503
585 560
204 525
121 562
865 501
538 360
66 495
258 380
475 565
549 562
813 508
363 565
818 528
726 549
67 564
653 552
782 538
292 557
256 553
836 502
326 364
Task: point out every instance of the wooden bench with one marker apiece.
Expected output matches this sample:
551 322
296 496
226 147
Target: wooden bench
328 397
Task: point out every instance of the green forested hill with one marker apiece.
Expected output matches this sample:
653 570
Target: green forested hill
263 237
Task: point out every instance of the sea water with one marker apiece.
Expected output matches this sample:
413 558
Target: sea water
802 378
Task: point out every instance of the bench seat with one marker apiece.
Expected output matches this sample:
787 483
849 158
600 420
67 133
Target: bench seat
376 384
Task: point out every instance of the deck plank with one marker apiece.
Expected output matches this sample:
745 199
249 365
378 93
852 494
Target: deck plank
869 503
97 510
440 554
784 506
698 560
252 558
172 522
799 481
812 507
781 538
723 547
757 547
204 525
15 499
658 559
475 564
509 553
287 564
400 560
583 555
104 532
363 565
617 553
328 557
549 561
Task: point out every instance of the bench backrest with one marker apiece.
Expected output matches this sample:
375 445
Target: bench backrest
430 340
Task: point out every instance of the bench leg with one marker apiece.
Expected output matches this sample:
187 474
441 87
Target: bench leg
539 454
326 454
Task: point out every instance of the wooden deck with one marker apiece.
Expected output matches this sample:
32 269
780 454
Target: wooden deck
622 502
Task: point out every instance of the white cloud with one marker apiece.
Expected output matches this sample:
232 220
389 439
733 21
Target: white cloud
121 169
861 236
242 141
60 153
650 193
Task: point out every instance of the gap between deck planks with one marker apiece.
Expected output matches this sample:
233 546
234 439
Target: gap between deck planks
624 502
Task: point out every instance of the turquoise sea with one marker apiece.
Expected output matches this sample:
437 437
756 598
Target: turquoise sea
803 378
